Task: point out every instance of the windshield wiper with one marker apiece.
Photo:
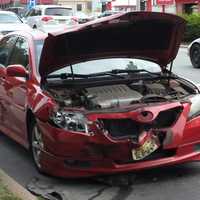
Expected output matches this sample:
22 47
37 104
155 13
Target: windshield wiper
114 73
70 75
108 73
66 76
130 71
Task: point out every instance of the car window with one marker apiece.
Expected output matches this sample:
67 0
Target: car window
37 12
59 11
20 54
27 13
34 12
6 46
9 18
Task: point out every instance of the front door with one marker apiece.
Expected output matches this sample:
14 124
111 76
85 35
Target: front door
6 47
16 92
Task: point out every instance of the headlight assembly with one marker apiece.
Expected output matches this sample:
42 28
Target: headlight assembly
70 121
195 107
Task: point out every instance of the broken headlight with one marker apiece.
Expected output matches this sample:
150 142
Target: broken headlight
70 121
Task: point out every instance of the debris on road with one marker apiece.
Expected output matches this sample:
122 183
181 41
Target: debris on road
44 190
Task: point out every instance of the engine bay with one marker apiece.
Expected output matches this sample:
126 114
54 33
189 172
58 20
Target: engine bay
119 95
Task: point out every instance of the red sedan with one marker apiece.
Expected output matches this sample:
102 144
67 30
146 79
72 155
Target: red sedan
100 98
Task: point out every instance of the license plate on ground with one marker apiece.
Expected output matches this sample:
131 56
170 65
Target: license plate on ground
146 149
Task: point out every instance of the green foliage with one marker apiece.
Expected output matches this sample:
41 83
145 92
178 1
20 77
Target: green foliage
5 194
192 31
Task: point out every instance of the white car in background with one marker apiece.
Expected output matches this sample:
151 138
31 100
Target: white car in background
9 22
194 53
83 18
50 17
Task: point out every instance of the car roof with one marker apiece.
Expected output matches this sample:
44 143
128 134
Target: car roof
51 6
14 7
7 12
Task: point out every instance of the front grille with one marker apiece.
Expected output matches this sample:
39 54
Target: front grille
158 154
120 128
167 118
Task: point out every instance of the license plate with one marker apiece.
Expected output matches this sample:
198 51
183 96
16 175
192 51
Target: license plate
62 21
146 149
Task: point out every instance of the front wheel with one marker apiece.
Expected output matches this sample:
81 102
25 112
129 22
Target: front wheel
37 145
195 55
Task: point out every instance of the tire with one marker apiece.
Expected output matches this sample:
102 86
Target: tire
195 55
36 145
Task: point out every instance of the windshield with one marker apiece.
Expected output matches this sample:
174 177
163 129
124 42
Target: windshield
59 11
9 18
103 65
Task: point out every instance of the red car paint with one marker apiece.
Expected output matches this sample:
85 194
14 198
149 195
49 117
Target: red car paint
78 154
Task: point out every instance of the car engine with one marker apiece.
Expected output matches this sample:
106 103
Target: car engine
120 95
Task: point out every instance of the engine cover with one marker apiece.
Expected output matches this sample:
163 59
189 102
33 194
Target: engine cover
113 95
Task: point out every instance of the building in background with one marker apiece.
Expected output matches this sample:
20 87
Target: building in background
5 3
187 6
96 6
124 5
87 6
175 6
77 5
37 2
167 6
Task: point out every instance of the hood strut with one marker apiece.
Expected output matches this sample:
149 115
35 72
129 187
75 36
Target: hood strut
171 65
71 68
170 71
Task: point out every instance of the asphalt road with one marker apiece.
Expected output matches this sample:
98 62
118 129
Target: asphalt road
174 183
183 67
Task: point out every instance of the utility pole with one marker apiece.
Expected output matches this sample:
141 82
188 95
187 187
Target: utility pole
138 5
163 8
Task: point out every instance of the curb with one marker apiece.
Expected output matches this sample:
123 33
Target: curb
15 187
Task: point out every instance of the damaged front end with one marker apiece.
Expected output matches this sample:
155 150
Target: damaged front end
115 125
113 106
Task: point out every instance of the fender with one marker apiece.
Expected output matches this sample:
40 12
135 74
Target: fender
40 103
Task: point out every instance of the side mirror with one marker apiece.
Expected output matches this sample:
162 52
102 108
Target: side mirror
17 71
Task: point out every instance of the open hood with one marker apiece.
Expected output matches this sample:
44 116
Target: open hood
148 35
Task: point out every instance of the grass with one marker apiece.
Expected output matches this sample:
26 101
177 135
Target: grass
5 194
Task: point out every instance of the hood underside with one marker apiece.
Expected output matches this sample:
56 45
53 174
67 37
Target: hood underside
147 35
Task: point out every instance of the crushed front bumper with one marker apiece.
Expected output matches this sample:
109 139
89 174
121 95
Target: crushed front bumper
82 155
56 166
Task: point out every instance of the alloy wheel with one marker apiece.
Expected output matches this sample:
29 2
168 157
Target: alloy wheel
37 145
